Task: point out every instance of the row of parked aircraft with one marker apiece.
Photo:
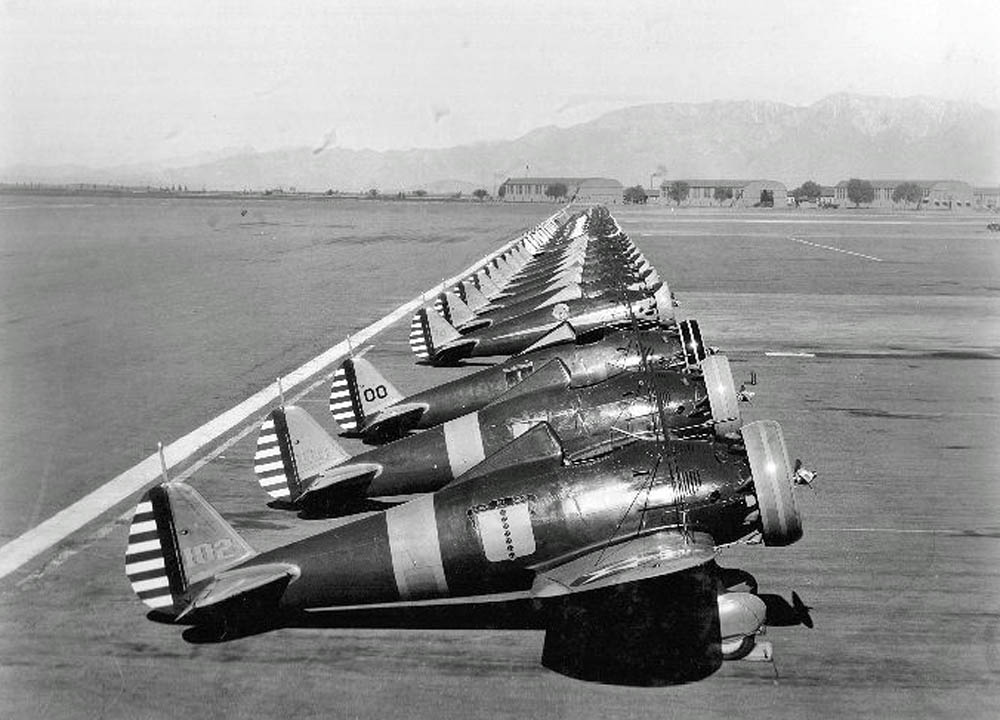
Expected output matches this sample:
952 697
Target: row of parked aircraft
591 475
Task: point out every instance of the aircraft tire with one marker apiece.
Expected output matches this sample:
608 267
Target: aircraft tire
772 479
722 395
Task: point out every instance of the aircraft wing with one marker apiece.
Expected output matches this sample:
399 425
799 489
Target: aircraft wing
639 558
397 419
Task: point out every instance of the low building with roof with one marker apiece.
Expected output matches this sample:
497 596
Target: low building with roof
744 193
605 191
986 197
942 194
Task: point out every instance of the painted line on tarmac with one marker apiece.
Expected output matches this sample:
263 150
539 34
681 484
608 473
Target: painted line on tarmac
55 529
775 353
957 532
836 249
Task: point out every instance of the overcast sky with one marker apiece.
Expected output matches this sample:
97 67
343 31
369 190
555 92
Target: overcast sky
103 83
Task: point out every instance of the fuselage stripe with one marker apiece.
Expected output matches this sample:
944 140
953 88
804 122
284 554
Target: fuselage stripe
416 549
464 442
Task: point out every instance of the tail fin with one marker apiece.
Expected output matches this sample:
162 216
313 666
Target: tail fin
429 332
441 306
486 284
473 297
292 448
459 313
359 391
176 541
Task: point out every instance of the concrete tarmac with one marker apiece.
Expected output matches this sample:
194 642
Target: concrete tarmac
899 561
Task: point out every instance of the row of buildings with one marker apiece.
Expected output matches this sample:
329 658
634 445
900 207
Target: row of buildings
941 194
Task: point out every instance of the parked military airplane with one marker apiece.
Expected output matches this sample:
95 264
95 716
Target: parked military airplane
434 340
365 404
296 458
597 539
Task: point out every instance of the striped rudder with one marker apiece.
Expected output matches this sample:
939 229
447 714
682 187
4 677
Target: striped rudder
420 339
176 543
273 461
359 393
344 405
442 307
145 562
292 450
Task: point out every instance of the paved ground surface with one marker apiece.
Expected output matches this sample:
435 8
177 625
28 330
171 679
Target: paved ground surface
898 411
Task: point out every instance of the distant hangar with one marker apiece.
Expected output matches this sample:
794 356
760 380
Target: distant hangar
599 190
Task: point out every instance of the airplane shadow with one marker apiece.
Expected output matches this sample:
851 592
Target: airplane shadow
510 615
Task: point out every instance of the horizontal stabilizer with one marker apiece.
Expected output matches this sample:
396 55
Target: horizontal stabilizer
342 477
395 420
552 374
661 553
559 335
538 445
239 581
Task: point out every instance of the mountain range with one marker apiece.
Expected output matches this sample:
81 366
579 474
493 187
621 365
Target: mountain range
838 137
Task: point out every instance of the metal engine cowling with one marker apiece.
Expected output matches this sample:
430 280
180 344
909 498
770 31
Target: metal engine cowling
772 479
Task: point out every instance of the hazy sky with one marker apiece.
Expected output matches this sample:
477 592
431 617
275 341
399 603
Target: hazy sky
104 83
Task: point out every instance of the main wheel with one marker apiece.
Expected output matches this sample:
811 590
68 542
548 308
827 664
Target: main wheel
722 395
772 479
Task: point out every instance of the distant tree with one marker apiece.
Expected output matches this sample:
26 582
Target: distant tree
502 190
678 191
635 195
766 198
480 194
908 192
807 192
457 195
420 193
860 191
556 191
721 194
373 193
330 191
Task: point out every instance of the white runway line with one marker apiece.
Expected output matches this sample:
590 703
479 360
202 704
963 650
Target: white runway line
836 249
67 521
775 353
902 531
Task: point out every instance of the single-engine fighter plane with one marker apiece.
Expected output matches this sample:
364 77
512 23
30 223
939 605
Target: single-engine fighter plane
365 404
296 459
620 550
435 341
464 318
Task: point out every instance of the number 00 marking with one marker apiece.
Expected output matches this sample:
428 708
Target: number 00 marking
379 391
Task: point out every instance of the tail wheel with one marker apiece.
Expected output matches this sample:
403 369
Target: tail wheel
738 649
772 479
